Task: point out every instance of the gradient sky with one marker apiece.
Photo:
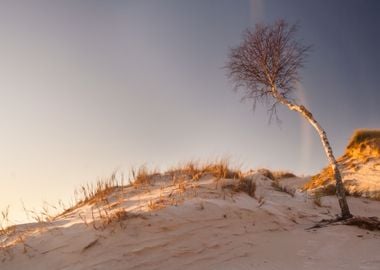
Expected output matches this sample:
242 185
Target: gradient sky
88 87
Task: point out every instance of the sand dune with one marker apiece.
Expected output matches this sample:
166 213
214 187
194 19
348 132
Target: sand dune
359 165
204 224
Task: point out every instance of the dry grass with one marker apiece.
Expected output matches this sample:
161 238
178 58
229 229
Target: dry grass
266 173
13 236
278 175
221 169
95 193
242 184
6 227
363 147
154 205
142 176
248 186
363 135
275 175
320 180
107 217
192 169
98 194
195 170
92 193
102 217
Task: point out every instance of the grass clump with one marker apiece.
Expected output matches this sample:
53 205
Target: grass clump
267 173
278 175
5 224
362 135
195 170
93 193
275 175
247 185
220 169
191 169
141 177
243 184
364 143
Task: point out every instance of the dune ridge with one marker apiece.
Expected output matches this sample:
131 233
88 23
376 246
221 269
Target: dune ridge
196 219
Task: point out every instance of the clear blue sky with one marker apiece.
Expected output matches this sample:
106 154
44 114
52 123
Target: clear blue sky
90 86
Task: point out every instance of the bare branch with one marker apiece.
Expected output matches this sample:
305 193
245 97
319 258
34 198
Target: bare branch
268 58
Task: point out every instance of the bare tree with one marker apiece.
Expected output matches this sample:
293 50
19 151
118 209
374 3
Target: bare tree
266 66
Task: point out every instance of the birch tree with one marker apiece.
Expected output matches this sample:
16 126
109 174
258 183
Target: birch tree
266 66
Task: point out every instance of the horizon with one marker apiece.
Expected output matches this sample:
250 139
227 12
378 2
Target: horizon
90 87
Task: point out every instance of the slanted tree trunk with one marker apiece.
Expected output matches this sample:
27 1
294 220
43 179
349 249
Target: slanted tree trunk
340 190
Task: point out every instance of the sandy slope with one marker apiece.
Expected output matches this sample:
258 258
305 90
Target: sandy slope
364 178
360 178
359 166
198 225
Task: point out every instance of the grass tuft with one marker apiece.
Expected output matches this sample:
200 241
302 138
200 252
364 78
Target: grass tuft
266 173
141 177
248 186
278 175
219 169
363 135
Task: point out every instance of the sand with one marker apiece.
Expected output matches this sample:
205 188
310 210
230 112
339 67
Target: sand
205 224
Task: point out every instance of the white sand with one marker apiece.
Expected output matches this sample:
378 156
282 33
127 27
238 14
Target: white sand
360 169
199 225
363 177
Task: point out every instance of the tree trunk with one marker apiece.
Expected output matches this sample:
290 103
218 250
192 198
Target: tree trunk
340 190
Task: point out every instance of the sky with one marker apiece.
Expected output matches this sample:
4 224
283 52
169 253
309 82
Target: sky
90 87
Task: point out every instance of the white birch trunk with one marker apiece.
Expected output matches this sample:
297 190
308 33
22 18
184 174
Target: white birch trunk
340 191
